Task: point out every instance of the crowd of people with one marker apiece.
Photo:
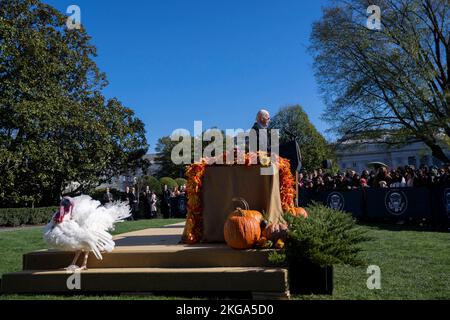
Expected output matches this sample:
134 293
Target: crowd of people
147 202
382 177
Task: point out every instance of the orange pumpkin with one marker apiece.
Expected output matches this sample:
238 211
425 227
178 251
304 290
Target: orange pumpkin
250 213
242 228
276 231
298 212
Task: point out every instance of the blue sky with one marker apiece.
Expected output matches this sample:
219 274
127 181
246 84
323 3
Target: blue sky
218 61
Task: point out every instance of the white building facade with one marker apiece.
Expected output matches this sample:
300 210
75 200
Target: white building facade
356 156
121 182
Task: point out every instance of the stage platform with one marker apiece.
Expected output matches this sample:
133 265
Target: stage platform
153 260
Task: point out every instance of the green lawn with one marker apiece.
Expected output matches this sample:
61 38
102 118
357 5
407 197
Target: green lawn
13 244
414 264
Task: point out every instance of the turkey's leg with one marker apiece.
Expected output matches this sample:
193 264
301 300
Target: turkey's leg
85 260
73 265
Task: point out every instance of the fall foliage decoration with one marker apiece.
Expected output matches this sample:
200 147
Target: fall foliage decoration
279 244
193 229
298 212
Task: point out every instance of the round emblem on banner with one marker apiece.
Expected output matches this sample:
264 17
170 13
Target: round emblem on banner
182 205
396 202
335 200
447 201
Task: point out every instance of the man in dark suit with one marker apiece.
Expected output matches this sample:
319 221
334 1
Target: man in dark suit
126 198
262 123
165 203
126 195
133 201
147 201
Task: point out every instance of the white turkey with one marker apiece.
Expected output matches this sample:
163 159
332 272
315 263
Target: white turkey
82 224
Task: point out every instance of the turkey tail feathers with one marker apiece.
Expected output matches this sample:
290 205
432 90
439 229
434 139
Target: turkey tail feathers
119 210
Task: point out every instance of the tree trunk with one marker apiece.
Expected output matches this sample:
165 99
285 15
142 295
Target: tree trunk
438 153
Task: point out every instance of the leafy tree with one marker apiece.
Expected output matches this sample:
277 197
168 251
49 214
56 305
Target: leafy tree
164 148
314 148
391 84
56 127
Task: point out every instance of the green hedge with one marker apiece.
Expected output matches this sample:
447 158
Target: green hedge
181 181
171 183
100 193
153 183
13 217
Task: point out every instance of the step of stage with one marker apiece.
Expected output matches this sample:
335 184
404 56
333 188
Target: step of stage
153 260
201 256
270 281
153 248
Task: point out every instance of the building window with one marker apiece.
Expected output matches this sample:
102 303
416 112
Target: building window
424 160
354 164
412 161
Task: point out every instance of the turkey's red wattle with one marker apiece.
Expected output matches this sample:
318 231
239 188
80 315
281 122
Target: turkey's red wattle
59 216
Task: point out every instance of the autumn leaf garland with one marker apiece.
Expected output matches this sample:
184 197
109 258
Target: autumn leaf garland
194 223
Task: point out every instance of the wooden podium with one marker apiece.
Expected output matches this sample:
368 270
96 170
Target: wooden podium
223 183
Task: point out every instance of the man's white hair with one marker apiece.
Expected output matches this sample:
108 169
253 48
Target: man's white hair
261 113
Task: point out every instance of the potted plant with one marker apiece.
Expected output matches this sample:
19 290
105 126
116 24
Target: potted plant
314 244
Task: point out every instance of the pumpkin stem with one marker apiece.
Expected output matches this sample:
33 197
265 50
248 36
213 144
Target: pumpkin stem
241 212
241 200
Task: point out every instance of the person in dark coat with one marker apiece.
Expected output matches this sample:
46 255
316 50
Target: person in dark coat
147 202
165 203
108 197
125 197
262 123
134 203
